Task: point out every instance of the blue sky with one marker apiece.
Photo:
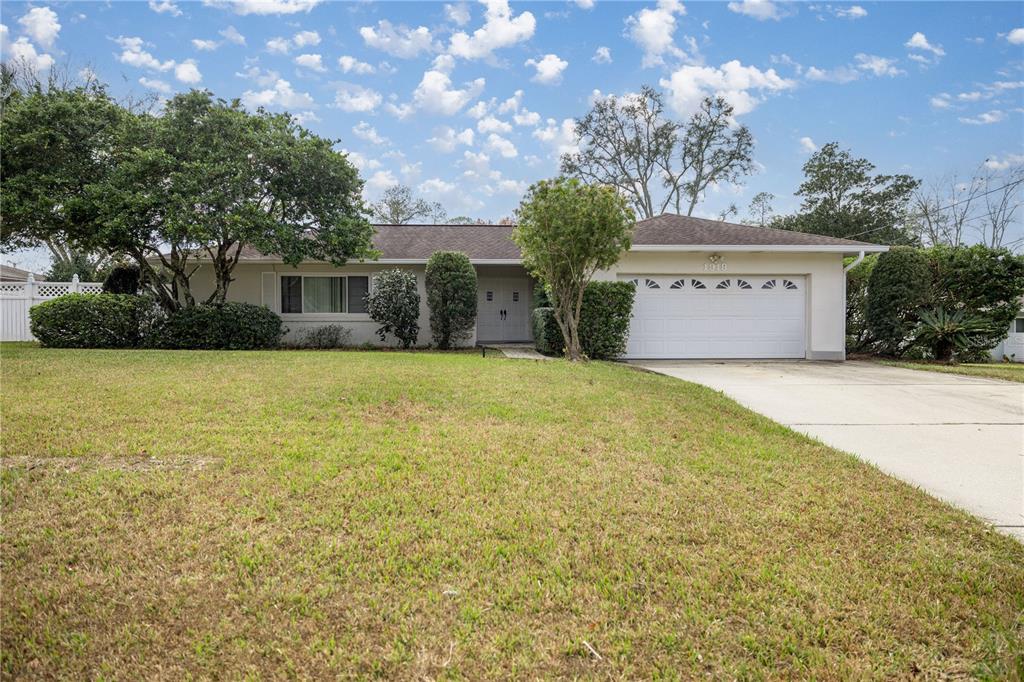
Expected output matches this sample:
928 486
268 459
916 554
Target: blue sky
469 102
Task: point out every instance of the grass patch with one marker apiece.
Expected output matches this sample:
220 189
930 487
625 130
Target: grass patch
1007 371
412 515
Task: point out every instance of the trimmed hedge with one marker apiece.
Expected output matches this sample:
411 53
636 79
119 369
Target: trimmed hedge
90 321
394 304
899 286
230 326
451 296
604 322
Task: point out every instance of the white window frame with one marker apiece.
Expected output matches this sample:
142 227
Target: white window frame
323 317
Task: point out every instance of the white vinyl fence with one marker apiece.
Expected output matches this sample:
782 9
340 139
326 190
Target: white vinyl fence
17 297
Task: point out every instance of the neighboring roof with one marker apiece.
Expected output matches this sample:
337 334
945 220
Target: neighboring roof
12 274
493 243
668 230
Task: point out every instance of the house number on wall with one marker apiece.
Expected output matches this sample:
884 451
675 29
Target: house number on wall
715 264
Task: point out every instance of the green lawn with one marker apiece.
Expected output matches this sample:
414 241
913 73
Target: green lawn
420 515
1006 371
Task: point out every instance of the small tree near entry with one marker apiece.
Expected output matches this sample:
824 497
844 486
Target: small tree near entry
899 286
394 304
451 297
568 231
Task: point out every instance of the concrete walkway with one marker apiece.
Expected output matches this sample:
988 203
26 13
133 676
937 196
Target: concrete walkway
959 438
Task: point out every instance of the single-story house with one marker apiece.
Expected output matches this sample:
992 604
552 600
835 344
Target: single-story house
1012 347
705 289
9 273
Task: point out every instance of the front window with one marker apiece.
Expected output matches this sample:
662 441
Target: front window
1019 326
317 294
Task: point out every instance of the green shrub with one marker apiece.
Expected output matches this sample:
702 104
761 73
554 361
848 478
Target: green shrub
230 326
322 338
984 282
122 279
604 322
858 338
945 333
547 337
90 321
394 304
898 287
451 297
604 319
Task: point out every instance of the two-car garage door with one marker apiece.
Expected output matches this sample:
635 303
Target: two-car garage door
737 316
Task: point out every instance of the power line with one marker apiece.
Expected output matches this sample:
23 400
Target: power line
943 208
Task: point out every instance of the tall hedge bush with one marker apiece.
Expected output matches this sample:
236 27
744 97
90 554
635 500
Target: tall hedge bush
604 322
899 286
451 297
858 337
394 304
90 321
229 326
983 282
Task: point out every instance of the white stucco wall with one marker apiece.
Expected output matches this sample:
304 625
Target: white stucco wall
248 288
826 285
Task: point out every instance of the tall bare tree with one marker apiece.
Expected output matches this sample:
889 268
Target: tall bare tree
943 209
629 143
1003 196
398 206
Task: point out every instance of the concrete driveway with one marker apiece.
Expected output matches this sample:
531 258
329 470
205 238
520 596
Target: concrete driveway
959 438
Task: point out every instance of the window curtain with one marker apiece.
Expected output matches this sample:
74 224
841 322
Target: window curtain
323 295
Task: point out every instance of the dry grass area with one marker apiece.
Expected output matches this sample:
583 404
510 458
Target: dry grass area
1007 371
428 516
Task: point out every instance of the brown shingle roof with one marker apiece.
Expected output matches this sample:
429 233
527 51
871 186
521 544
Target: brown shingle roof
493 242
671 230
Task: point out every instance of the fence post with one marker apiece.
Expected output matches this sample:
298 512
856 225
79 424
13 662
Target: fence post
74 283
30 288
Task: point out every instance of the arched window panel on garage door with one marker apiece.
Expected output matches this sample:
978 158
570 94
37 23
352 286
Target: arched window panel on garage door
724 284
770 284
789 285
678 284
697 284
743 284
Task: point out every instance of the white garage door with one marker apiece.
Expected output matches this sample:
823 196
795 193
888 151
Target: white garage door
736 316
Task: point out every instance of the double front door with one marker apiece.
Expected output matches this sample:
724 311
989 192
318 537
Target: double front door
503 309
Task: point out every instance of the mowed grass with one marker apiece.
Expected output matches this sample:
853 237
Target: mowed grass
1007 371
447 516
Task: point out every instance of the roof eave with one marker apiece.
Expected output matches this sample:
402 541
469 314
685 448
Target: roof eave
756 248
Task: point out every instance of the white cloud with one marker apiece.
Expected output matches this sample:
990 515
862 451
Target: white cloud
941 101
490 124
585 4
987 118
156 84
261 78
398 41
549 69
1016 36
457 13
512 103
1000 164
188 72
807 145
435 187
974 96
841 74
436 94
653 30
400 111
281 45
381 180
602 55
313 62
446 139
304 117
526 118
281 95
165 7
365 131
352 97
561 137
919 42
501 29
24 52
349 64
738 84
205 45
762 10
41 25
232 35
306 38
501 145
851 12
478 110
264 7
133 54
360 161
879 66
